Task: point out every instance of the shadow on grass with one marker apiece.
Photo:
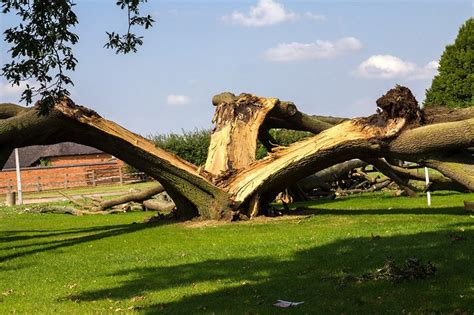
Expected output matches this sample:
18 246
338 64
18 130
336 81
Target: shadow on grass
98 233
402 211
21 235
315 275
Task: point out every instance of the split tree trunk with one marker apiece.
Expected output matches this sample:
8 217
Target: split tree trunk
232 182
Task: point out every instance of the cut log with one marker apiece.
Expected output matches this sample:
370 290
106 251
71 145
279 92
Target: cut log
70 210
131 197
158 205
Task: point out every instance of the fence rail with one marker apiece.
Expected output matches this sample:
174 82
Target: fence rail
60 179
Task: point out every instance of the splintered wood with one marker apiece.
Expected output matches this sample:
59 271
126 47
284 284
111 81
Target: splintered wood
296 157
91 118
234 139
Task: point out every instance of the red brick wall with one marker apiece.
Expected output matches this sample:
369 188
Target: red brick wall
63 176
80 159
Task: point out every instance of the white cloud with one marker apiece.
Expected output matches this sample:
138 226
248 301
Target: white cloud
389 67
174 99
317 50
314 17
268 12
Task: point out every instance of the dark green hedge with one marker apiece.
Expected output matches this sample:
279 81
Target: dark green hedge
193 145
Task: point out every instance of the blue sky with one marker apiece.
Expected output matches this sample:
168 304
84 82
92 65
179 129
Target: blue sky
329 57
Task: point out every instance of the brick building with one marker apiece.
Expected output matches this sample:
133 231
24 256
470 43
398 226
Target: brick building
60 166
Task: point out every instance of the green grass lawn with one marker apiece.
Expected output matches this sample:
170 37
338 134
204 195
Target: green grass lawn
106 264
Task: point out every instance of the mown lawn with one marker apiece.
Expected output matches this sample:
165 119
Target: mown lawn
107 264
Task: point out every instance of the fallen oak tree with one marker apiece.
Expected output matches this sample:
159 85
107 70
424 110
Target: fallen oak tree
233 184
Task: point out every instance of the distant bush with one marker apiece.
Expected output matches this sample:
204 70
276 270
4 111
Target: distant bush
283 137
193 145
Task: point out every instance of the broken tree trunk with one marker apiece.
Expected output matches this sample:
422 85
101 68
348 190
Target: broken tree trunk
230 187
234 138
159 205
193 193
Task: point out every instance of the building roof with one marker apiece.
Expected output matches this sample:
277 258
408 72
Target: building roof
32 154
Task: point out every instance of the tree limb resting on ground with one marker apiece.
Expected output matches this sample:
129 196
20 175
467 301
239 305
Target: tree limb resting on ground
228 188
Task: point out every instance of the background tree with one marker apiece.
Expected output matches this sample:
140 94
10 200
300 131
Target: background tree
453 86
42 45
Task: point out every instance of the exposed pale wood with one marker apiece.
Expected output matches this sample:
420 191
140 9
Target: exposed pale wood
158 205
117 131
299 155
234 139
345 141
254 206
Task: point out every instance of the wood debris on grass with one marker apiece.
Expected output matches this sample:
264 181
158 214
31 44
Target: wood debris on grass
411 269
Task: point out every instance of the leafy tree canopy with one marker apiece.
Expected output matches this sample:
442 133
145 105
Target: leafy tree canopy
193 145
453 86
41 44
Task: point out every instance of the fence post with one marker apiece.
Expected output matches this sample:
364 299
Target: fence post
121 175
38 184
93 178
65 181
11 198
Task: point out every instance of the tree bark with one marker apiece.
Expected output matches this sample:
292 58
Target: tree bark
131 197
192 192
387 170
323 178
232 181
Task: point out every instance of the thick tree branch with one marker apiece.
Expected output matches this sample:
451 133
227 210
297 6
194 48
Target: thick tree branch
388 171
193 193
233 179
459 167
135 197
